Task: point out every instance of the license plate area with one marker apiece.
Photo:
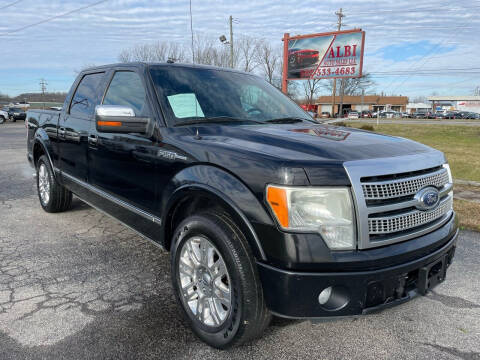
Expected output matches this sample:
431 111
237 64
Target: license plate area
432 274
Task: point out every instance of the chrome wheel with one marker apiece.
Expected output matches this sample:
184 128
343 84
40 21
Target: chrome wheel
204 281
43 184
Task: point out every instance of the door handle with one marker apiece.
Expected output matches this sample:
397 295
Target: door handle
61 132
93 139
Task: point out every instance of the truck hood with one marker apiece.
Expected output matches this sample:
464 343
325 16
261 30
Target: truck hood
304 142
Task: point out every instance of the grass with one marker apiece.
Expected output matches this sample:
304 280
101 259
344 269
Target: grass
461 144
468 214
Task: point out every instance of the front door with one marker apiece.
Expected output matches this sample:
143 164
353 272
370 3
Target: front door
123 166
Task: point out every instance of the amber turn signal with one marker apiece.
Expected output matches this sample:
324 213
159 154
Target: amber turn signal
109 123
277 199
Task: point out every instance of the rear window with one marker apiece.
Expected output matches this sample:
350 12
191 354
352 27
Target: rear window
85 97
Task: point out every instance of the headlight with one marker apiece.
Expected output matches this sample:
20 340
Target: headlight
450 179
328 211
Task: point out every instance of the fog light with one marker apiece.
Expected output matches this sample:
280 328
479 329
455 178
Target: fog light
334 298
325 295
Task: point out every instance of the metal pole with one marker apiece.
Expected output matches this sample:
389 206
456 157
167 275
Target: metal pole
285 64
191 31
231 42
340 15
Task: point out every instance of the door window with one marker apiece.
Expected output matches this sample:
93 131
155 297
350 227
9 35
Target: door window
127 89
85 97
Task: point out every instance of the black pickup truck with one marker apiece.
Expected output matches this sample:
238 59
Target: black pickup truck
264 210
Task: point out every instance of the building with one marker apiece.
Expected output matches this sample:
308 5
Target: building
418 107
360 103
469 103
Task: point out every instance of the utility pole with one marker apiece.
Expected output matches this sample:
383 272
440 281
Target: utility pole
231 41
43 87
340 16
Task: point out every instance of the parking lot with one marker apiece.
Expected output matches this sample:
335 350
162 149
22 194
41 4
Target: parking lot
78 285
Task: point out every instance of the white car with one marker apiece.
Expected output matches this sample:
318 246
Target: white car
353 115
3 116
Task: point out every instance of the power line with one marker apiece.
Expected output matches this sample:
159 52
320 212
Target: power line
53 18
11 4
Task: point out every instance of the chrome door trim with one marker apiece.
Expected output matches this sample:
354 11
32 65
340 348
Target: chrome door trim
113 199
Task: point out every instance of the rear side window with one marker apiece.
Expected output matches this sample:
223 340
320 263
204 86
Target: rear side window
126 89
85 97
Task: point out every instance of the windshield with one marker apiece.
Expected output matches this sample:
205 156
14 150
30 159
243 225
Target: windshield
189 95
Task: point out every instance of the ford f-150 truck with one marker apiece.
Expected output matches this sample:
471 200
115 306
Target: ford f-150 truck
263 210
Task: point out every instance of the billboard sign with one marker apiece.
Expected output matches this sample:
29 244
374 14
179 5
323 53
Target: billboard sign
324 56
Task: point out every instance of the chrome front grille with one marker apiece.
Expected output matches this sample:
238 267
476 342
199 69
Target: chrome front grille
384 191
398 188
409 220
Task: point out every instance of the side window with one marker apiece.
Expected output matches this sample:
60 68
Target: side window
85 97
127 89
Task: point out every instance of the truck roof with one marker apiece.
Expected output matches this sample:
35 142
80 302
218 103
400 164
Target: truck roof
142 64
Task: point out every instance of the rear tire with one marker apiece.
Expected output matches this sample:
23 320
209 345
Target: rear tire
2 119
53 196
221 260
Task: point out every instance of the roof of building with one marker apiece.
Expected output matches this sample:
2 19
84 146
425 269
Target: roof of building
454 98
367 99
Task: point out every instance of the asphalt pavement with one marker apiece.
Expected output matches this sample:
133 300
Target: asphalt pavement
78 285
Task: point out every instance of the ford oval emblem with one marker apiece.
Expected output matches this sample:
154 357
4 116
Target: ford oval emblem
427 198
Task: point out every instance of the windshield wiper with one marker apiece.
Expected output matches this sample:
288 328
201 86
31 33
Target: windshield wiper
215 119
287 120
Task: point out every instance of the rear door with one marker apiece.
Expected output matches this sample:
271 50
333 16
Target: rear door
74 129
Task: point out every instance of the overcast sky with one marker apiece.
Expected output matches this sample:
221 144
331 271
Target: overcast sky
439 37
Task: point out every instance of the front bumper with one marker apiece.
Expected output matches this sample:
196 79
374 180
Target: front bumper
296 294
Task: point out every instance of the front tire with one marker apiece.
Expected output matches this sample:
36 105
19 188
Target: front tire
215 279
2 119
53 196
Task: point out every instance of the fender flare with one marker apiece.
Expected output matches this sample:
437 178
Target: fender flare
42 139
214 181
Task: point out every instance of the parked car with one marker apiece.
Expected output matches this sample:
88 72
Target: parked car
353 115
298 58
439 115
419 115
16 113
366 114
325 115
3 116
405 115
388 114
263 210
451 115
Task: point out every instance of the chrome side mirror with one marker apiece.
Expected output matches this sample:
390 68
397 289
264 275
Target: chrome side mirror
119 119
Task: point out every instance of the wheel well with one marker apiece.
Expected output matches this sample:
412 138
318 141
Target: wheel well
198 202
38 151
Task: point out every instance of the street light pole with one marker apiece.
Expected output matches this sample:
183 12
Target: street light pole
340 16
231 41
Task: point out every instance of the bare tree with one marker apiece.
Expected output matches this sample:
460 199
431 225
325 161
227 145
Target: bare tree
269 60
157 51
310 90
209 51
248 48
351 86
